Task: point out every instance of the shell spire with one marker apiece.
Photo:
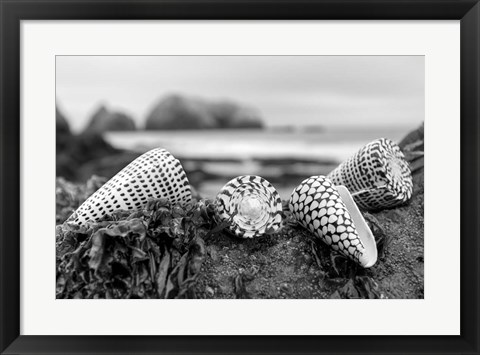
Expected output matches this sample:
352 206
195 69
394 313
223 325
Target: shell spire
154 174
249 206
378 176
329 212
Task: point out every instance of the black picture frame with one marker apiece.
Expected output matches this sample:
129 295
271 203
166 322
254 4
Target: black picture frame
12 12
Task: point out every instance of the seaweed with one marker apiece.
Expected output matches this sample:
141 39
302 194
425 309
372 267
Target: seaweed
156 252
173 251
357 281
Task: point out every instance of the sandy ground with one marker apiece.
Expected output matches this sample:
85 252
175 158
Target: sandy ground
293 264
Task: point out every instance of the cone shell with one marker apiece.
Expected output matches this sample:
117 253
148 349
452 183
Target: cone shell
155 174
318 206
250 206
377 176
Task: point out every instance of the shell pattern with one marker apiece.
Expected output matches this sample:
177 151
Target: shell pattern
317 206
154 174
250 206
378 176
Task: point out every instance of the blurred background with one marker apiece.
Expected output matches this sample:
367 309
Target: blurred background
282 117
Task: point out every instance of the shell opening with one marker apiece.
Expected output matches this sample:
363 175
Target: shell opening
251 206
394 168
369 257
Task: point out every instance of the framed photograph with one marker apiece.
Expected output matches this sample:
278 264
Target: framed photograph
239 177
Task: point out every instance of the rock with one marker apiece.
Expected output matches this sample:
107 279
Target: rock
182 112
61 123
62 145
81 151
412 146
178 112
104 120
230 115
63 133
209 291
224 289
285 288
78 156
212 251
413 137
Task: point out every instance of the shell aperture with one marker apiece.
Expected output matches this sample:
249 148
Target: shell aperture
154 174
249 206
320 207
370 254
377 176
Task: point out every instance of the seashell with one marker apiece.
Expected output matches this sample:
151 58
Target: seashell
250 207
155 174
331 213
377 176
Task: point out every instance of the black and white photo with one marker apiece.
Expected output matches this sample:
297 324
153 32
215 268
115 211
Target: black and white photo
226 177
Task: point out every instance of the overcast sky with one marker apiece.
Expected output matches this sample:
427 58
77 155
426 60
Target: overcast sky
303 90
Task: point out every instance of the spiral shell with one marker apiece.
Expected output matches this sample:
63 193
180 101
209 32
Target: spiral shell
250 207
154 174
378 176
319 207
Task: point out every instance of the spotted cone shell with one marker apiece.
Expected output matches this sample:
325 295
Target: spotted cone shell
317 206
155 174
250 207
377 176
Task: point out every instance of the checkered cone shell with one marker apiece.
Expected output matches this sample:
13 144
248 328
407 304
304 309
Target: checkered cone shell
317 206
377 176
249 206
155 174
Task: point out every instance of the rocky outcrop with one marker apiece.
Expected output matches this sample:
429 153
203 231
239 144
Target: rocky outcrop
412 146
413 139
182 112
105 120
179 112
74 151
61 123
230 115
79 151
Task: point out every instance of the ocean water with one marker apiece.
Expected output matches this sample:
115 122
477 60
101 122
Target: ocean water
337 143
212 157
